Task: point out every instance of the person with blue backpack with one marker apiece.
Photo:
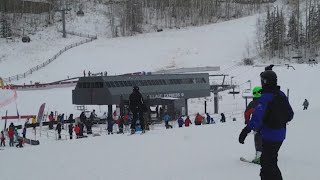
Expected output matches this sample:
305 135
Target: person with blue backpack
270 117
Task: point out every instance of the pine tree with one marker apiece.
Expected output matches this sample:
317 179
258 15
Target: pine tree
314 31
268 33
5 28
293 31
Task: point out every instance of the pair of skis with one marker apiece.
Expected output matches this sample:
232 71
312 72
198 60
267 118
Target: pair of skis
248 161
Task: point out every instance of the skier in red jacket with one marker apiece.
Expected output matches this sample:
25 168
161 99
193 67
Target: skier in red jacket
187 122
11 137
77 130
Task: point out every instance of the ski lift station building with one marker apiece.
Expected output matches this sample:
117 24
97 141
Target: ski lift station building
169 90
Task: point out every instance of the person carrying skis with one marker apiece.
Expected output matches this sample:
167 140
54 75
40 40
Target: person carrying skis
271 115
137 107
2 138
247 115
305 104
187 122
58 129
180 121
70 130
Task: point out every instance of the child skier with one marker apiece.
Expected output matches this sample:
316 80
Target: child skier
180 121
77 131
247 116
187 122
2 138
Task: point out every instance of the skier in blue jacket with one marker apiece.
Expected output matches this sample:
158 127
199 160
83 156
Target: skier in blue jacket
166 119
270 117
180 121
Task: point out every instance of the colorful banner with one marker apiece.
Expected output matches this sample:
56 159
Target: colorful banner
40 113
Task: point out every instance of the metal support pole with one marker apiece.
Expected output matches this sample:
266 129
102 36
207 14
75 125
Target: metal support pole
205 107
246 102
216 105
110 111
186 106
216 100
121 106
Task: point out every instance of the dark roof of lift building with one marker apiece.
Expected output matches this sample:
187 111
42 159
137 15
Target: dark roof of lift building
107 90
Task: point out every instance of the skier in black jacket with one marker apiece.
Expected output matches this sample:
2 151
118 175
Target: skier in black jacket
58 128
71 130
137 107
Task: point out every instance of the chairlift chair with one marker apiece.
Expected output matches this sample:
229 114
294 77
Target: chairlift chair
234 91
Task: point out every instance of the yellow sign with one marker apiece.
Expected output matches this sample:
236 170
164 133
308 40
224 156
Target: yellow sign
1 83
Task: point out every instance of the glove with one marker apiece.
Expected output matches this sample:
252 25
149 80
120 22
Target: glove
245 131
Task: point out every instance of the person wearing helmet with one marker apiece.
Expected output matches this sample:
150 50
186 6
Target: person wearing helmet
256 92
270 117
137 107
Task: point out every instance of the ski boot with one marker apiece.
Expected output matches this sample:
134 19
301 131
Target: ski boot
133 131
256 160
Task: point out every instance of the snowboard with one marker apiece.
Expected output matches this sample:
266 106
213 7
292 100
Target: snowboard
247 161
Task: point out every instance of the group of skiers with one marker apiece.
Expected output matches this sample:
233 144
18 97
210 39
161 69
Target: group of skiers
12 134
198 120
267 115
